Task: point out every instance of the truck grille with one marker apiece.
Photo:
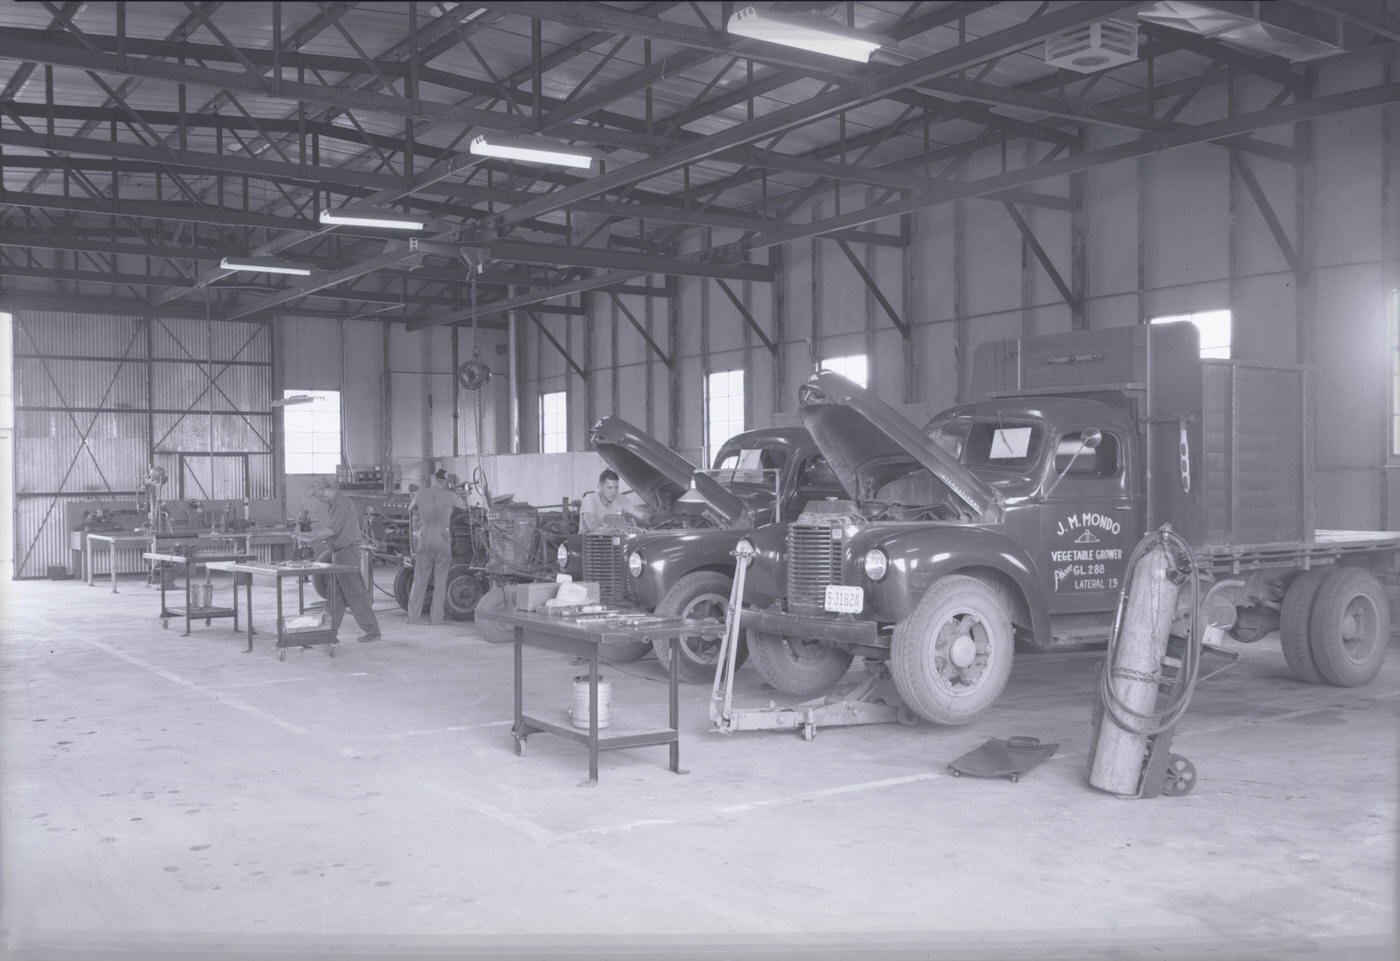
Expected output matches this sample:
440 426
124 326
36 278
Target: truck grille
602 562
813 562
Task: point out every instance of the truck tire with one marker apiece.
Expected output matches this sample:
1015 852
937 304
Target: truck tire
403 587
492 632
951 658
1350 627
795 666
1295 623
464 590
699 595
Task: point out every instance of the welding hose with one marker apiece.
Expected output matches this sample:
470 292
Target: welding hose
1164 719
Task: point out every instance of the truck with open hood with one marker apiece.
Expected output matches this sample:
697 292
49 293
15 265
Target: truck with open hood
1010 520
680 562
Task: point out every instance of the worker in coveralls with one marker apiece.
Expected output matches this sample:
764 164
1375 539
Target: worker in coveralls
342 535
434 505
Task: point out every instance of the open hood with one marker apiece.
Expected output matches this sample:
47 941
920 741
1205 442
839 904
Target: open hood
856 430
658 474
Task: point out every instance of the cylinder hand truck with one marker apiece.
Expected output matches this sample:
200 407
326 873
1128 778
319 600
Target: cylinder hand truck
873 701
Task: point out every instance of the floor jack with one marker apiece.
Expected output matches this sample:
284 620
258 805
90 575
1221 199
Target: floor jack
872 701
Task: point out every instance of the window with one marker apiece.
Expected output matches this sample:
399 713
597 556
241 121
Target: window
311 432
554 422
1395 373
724 407
853 367
1214 326
1071 455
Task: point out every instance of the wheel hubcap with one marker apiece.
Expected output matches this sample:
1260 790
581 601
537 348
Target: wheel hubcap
962 652
705 607
1358 627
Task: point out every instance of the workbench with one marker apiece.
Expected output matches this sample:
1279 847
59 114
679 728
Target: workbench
231 542
113 542
189 562
583 636
245 572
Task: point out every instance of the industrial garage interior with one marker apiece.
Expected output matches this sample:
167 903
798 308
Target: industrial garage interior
1007 394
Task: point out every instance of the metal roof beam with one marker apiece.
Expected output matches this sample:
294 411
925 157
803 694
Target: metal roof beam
875 85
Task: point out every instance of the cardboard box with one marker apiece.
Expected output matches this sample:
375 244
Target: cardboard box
530 597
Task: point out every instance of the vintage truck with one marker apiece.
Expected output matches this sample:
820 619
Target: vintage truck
682 563
1010 520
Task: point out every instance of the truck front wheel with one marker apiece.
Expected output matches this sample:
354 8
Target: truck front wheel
1295 623
951 657
703 594
1350 627
795 666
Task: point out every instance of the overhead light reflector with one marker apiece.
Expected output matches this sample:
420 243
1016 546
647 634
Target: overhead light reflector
530 152
805 33
263 265
342 219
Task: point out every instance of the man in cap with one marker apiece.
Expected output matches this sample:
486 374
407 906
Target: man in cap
433 558
342 535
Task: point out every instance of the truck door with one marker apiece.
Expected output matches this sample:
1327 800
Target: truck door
1089 524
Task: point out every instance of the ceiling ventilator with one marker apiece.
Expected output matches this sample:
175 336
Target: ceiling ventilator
1094 46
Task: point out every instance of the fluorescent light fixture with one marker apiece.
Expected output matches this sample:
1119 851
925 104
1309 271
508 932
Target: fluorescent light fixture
805 33
357 220
263 265
530 152
294 399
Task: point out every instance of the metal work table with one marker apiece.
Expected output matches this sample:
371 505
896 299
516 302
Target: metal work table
113 541
583 636
278 572
189 562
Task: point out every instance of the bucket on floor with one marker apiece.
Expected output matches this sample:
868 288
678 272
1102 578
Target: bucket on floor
579 712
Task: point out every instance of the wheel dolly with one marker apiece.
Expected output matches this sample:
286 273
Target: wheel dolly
872 701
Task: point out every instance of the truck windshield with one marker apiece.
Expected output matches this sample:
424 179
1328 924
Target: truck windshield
1002 445
748 465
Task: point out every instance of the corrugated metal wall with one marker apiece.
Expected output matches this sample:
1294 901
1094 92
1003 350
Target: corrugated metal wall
99 398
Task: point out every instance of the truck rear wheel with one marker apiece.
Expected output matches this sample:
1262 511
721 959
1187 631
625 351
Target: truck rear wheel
1295 623
1350 627
464 590
951 658
795 666
700 595
495 599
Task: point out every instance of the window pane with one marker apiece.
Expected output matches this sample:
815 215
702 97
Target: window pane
854 367
311 432
554 434
1215 329
724 407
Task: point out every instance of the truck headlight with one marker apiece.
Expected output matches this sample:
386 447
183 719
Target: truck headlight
635 564
876 563
561 557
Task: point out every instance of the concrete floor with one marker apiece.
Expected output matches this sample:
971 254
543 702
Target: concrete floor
170 796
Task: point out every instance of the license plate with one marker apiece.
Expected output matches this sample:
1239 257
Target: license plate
841 599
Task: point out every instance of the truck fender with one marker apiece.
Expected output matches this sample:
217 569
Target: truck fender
921 554
673 555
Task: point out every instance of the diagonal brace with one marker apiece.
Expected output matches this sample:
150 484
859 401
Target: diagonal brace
641 330
1042 256
748 317
568 358
1251 184
874 288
